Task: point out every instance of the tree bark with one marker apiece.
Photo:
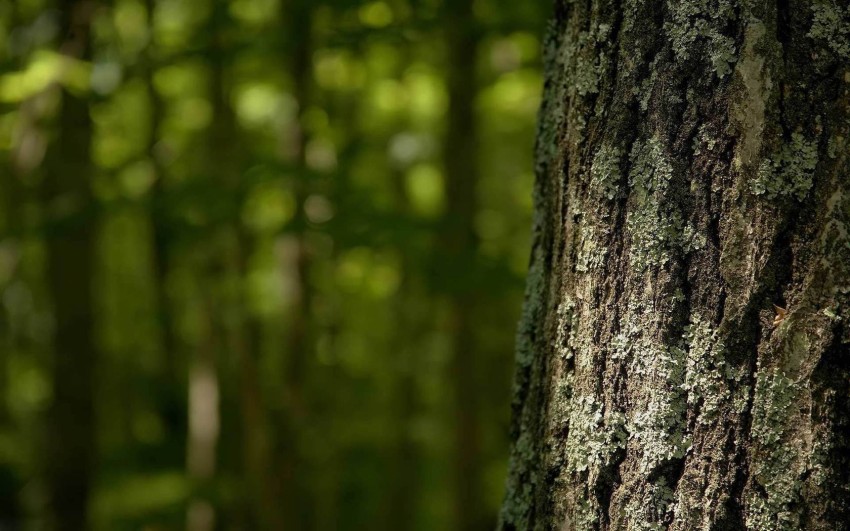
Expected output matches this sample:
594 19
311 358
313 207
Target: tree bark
69 209
683 360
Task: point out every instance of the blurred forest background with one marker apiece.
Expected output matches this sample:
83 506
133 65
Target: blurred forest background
261 261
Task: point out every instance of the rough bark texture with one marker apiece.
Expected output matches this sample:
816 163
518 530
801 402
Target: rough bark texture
692 173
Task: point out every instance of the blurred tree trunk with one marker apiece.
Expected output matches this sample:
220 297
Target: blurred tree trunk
261 507
161 216
9 234
296 498
459 243
10 196
69 211
204 418
403 487
205 376
684 354
171 397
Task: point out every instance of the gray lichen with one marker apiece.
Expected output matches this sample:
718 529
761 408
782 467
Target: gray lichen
591 256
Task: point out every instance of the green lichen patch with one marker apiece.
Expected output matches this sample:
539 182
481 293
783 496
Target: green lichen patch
566 325
656 228
831 24
591 255
704 142
722 55
643 91
586 515
586 61
520 486
836 145
552 111
531 311
658 429
708 377
605 171
694 21
586 77
790 172
773 400
775 467
593 439
647 511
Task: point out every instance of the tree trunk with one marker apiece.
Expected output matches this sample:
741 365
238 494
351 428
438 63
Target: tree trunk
403 485
70 247
204 419
297 501
12 165
684 353
458 243
161 220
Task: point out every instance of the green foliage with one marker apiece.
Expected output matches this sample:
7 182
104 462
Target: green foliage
271 268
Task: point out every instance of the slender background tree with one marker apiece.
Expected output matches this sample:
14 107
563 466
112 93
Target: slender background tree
69 212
